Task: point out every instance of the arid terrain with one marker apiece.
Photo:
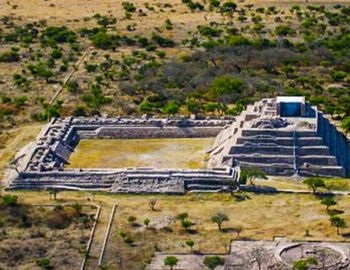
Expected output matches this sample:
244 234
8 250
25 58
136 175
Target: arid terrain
171 59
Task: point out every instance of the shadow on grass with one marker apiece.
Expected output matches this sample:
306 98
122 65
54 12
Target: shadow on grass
346 235
333 212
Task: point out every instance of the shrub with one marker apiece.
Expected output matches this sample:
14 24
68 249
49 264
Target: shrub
9 57
208 31
73 86
284 30
56 54
44 263
131 219
228 7
10 200
213 261
171 108
163 42
128 239
186 224
214 3
104 41
53 34
338 76
129 7
225 85
79 111
171 261
41 69
237 40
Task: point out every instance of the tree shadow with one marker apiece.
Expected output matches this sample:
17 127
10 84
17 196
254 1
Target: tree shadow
191 231
346 235
333 212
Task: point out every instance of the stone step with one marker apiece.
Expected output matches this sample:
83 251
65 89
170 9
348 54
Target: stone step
276 159
277 133
282 141
317 160
279 150
262 149
271 169
327 171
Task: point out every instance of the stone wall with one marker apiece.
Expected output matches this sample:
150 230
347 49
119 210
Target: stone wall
132 132
338 144
44 166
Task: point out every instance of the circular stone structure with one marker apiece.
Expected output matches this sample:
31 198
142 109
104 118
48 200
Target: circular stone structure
328 257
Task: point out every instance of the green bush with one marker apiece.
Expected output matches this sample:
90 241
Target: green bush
9 57
129 7
213 261
10 200
284 30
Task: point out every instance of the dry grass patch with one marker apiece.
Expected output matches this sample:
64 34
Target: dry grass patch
157 153
261 216
33 235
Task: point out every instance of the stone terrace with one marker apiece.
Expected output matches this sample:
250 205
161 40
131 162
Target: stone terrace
42 166
282 145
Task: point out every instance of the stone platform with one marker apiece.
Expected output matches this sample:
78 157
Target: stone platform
42 165
305 144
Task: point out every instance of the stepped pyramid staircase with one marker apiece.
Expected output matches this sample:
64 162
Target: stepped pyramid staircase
278 151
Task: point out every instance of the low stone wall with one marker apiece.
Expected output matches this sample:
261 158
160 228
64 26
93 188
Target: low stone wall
127 180
132 132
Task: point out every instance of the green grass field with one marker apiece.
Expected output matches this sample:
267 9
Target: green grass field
158 153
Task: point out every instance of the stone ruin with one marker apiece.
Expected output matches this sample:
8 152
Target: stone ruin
41 164
283 136
279 254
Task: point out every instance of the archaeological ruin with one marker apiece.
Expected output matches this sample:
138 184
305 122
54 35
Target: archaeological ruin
282 136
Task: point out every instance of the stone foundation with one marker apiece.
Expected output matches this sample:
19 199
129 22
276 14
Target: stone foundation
43 166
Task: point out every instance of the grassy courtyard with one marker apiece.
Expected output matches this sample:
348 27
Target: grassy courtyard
158 153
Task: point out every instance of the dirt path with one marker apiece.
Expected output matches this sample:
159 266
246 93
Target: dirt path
69 76
98 239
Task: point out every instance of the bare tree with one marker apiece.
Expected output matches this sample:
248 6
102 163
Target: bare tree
260 256
152 204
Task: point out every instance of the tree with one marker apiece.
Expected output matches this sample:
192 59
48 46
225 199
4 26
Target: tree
41 70
253 173
171 108
95 99
72 86
131 219
171 261
238 230
226 88
259 255
190 243
314 183
328 202
146 222
213 261
228 7
53 192
186 224
345 125
337 222
77 207
219 218
152 204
